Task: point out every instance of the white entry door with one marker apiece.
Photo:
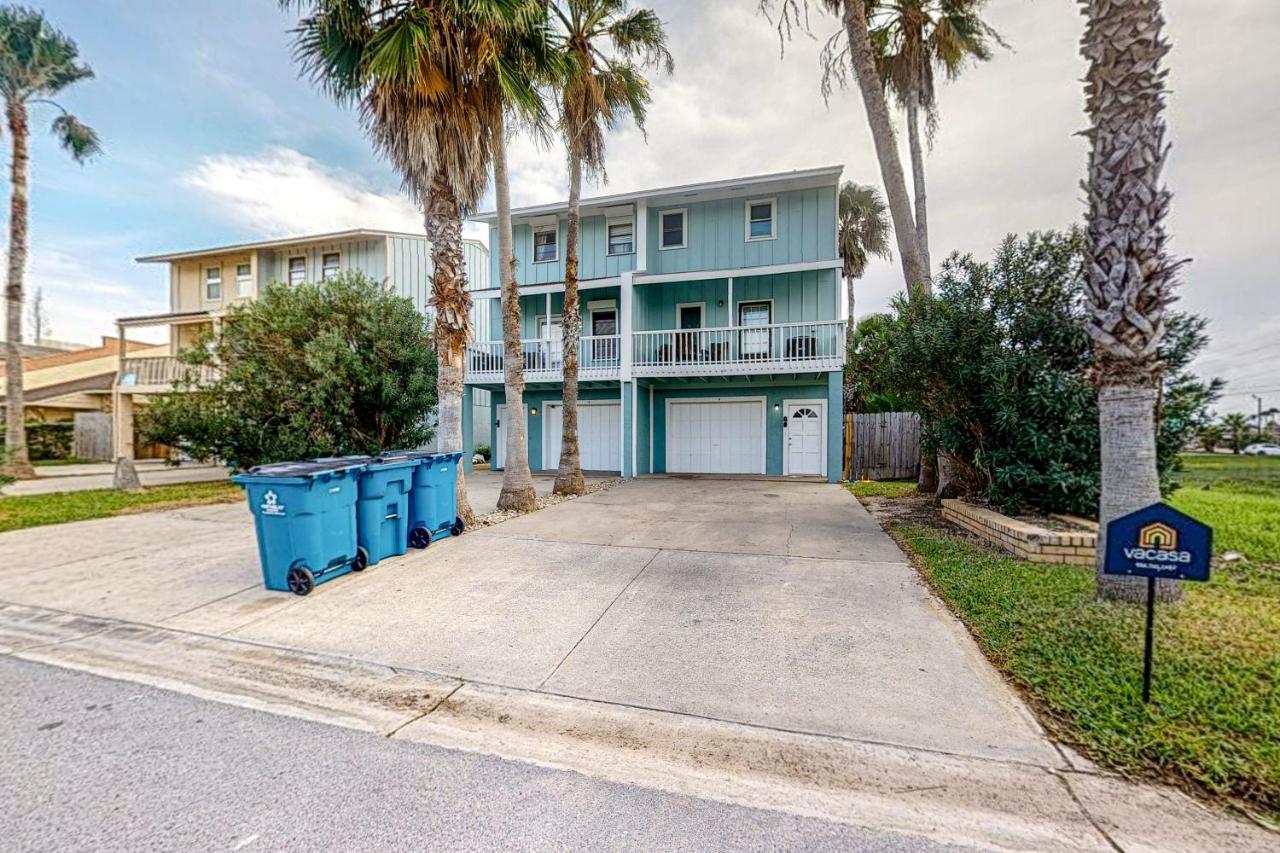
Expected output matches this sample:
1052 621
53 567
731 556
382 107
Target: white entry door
723 436
805 439
500 434
599 435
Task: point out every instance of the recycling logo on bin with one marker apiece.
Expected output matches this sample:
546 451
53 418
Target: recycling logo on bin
271 504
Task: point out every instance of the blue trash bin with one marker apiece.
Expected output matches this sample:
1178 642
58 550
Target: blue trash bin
382 509
433 507
305 517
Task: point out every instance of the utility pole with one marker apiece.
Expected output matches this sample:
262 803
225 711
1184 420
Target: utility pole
1259 429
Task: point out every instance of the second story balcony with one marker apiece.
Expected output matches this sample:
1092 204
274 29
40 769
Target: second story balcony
158 374
727 351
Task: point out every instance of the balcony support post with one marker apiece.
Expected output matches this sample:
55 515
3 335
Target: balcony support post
625 326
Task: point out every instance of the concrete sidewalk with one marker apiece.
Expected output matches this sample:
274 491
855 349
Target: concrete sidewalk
51 479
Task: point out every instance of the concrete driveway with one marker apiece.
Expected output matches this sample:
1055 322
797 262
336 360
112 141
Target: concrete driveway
763 602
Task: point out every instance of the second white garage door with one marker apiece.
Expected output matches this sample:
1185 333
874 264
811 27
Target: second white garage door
715 436
599 436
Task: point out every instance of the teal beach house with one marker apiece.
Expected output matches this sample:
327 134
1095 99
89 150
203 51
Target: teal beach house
713 323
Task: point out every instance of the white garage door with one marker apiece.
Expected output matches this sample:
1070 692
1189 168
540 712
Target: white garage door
599 436
715 437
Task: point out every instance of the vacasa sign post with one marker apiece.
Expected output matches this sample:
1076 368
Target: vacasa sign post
1157 543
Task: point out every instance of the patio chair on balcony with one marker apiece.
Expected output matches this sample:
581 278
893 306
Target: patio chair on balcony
805 346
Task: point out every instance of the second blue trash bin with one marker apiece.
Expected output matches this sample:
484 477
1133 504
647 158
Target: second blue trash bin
433 506
382 507
305 517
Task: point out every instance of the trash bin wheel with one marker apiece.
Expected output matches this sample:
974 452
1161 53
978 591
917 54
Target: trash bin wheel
419 537
361 562
457 527
300 580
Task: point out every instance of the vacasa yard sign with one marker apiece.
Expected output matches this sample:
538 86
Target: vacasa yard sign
1159 542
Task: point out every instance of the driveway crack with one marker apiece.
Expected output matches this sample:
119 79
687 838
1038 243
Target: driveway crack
593 625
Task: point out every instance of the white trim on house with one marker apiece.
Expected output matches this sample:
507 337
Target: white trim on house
609 222
244 283
554 228
702 314
814 403
735 272
684 228
764 424
773 218
206 281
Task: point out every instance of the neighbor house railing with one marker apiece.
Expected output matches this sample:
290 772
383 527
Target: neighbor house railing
161 371
599 357
732 349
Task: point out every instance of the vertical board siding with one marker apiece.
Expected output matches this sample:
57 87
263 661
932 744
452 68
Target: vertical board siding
886 446
410 268
476 259
798 297
366 256
594 260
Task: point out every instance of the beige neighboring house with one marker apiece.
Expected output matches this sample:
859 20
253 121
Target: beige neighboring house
205 283
58 383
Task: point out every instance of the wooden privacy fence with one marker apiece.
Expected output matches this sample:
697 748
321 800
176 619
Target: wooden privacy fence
92 436
881 446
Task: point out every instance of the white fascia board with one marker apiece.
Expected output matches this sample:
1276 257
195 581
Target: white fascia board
556 287
738 272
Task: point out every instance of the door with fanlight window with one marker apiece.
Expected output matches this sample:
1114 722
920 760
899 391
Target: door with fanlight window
805 439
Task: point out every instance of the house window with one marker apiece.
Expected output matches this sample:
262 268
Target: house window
754 343
621 237
329 266
244 279
297 270
762 216
671 228
213 283
545 248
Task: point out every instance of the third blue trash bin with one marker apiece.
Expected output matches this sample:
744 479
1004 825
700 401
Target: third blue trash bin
433 508
382 510
305 517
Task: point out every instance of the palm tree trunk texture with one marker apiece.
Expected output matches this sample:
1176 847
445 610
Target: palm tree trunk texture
15 434
1129 274
569 480
917 175
442 221
518 492
863 58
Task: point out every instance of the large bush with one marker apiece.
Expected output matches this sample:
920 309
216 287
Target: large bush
314 370
997 363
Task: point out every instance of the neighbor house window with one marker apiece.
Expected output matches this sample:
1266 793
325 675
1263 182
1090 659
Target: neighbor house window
621 239
213 283
330 265
244 279
297 270
671 228
762 219
545 248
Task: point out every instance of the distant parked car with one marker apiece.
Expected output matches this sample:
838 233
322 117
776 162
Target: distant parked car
1262 448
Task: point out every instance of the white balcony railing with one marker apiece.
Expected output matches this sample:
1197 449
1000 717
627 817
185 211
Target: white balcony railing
599 357
161 372
740 349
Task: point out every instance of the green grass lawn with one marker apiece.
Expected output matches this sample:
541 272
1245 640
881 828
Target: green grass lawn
1214 722
882 488
19 511
1239 496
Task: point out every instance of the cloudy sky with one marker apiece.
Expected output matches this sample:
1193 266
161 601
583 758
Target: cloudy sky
210 137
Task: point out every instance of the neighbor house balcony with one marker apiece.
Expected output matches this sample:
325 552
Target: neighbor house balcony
599 357
810 347
157 374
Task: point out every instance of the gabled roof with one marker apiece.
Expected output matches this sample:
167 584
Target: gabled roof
327 237
705 191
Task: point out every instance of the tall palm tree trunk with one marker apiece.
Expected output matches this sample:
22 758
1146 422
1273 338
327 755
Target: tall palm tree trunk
1129 275
863 58
917 175
569 480
518 492
15 432
442 221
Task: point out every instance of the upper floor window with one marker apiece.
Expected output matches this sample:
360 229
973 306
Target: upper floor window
297 270
545 244
762 219
621 237
330 265
671 229
213 283
244 279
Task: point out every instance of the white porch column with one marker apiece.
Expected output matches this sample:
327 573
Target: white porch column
642 235
625 324
733 321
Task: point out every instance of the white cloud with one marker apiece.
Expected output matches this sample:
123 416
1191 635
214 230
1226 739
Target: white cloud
283 192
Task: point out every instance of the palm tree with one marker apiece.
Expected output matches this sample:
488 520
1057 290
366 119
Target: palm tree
1130 276
1238 431
37 61
857 50
912 37
863 231
429 82
605 48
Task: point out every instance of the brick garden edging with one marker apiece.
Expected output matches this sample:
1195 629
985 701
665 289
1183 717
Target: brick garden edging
1021 538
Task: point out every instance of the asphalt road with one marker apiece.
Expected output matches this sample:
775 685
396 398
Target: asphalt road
88 763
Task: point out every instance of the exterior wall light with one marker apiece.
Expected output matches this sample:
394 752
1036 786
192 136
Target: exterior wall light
533 412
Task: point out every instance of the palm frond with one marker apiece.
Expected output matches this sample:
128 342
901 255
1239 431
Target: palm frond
80 140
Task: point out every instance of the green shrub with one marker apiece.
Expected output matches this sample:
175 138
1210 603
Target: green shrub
49 440
996 362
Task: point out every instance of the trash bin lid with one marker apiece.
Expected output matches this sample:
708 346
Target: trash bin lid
409 453
303 469
355 458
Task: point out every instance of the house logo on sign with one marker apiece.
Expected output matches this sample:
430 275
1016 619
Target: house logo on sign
1159 536
271 504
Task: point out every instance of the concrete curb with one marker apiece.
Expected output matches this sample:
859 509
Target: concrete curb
950 798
